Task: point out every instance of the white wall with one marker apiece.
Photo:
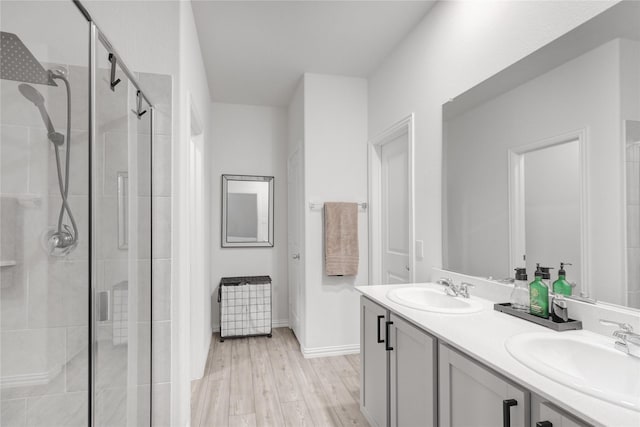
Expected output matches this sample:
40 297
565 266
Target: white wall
194 301
251 140
335 169
147 38
456 46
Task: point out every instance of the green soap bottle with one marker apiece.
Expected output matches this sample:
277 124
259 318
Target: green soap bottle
561 286
539 296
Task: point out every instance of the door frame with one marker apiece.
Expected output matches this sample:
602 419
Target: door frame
517 238
196 218
298 325
374 159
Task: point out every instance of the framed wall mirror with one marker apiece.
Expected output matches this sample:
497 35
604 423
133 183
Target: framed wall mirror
540 164
247 211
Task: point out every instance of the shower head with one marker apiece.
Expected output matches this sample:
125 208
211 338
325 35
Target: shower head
18 63
33 95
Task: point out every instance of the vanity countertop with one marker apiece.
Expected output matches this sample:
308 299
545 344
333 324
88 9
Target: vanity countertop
482 336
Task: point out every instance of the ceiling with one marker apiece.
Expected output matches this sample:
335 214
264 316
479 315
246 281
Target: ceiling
256 51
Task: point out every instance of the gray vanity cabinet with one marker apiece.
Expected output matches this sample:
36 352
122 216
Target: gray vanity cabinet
398 381
545 414
412 375
472 395
375 361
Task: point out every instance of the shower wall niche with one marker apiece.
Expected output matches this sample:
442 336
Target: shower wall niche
77 321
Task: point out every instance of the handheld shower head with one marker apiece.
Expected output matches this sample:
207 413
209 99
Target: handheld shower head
33 95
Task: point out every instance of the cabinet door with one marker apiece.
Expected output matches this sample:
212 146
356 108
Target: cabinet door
473 396
373 390
412 375
545 414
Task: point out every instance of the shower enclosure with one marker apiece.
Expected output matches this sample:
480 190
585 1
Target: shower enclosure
75 224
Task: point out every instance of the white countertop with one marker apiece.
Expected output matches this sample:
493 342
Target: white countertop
482 336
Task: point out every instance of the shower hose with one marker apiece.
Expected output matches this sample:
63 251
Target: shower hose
63 183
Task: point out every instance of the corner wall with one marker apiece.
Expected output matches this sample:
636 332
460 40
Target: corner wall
335 169
250 140
191 279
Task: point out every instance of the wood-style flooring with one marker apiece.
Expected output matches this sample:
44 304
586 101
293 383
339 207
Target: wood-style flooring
260 381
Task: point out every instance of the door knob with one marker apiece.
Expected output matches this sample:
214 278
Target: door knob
296 256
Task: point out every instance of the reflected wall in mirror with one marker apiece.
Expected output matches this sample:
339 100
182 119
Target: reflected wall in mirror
247 211
540 163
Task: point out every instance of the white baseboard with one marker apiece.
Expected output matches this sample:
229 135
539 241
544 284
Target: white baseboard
281 323
335 350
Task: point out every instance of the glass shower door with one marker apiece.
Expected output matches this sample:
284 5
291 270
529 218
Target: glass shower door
121 204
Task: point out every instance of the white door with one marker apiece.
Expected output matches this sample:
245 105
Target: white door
294 196
394 158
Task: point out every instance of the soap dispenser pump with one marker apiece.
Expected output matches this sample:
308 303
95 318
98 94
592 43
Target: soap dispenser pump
546 275
539 295
562 286
520 294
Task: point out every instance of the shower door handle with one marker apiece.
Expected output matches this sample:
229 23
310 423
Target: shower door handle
102 306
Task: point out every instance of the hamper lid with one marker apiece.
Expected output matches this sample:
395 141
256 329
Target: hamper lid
250 280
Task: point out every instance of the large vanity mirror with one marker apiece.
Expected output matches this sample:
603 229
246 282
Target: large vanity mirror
542 164
247 211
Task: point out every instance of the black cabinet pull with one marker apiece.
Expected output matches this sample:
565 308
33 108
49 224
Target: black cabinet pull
386 335
506 411
380 340
544 424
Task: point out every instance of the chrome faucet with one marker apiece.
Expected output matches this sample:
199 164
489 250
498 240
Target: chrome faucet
464 289
454 290
627 341
450 288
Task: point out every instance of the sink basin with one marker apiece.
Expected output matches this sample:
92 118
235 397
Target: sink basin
428 299
583 361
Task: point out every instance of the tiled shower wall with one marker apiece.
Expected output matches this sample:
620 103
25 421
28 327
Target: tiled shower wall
44 300
159 90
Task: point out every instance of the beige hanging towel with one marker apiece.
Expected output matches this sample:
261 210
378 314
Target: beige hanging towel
341 239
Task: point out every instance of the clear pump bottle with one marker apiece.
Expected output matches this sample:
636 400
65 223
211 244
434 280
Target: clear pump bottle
520 294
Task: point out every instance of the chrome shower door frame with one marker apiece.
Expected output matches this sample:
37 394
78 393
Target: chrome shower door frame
97 36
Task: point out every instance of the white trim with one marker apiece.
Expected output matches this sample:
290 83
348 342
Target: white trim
335 350
374 181
517 238
282 323
624 220
195 124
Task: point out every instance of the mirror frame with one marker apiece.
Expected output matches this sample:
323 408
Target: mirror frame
225 185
